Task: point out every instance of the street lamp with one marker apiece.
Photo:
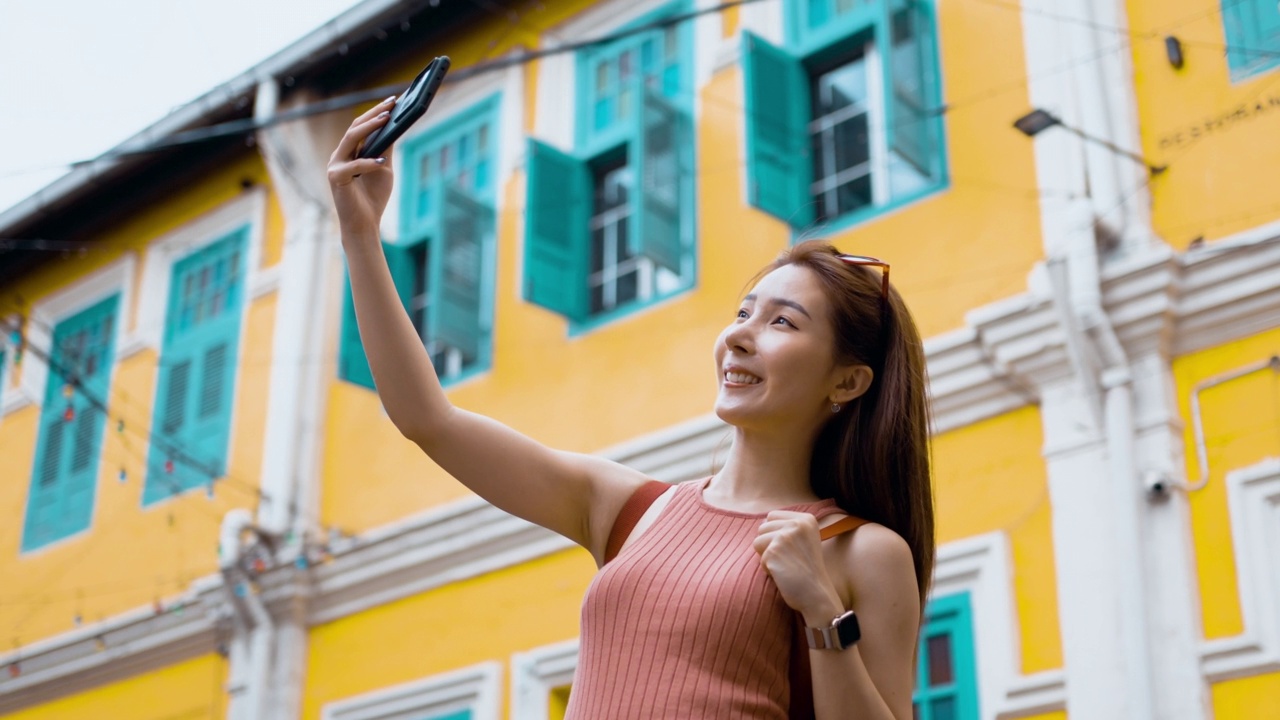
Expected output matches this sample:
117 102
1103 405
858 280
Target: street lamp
1037 121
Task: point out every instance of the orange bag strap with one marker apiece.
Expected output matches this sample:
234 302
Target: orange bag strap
801 678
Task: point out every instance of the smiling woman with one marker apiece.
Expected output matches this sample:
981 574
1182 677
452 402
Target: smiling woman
704 587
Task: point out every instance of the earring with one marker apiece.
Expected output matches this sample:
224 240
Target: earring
835 408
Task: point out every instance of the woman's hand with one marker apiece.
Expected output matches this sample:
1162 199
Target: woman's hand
791 552
361 187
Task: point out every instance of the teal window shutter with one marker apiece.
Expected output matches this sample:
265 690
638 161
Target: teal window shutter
946 668
191 424
456 274
556 232
779 157
1253 36
64 478
910 119
353 365
654 154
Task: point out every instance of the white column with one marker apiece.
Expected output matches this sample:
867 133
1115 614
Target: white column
1174 628
1088 566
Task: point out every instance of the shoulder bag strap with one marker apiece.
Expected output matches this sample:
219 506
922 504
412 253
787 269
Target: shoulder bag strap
801 679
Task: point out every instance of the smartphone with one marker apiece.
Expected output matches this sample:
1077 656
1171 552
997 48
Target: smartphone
408 108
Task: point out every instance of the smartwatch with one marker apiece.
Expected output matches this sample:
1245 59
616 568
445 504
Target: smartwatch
842 633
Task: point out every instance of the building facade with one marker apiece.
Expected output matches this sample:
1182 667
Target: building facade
210 515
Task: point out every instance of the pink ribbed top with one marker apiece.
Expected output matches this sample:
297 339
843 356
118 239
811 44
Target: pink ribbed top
685 623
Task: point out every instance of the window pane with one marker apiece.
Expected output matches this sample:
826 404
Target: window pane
625 67
940 660
628 287
842 87
853 195
602 79
852 146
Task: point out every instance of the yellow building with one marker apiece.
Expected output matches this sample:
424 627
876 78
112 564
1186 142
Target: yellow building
208 514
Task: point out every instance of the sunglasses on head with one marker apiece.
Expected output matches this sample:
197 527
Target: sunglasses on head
871 262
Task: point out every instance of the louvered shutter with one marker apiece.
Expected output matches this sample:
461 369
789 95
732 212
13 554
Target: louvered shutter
68 452
779 154
910 76
557 217
192 418
654 153
457 273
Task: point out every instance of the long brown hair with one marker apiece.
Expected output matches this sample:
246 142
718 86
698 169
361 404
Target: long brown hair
872 456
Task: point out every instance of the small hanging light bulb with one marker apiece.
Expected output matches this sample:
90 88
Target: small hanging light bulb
69 414
168 466
120 426
68 390
99 644
123 475
14 669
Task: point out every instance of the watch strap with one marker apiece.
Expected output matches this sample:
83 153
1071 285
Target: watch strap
828 637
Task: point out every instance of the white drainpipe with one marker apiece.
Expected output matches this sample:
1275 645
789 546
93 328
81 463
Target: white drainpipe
1116 381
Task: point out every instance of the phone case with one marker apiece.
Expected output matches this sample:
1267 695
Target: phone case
408 108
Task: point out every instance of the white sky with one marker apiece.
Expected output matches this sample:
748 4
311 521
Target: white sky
79 76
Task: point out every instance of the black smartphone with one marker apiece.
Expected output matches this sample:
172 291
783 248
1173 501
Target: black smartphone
410 106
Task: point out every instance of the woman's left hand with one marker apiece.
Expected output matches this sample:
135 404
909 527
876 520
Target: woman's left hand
791 552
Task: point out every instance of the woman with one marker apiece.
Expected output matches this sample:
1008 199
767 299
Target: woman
821 375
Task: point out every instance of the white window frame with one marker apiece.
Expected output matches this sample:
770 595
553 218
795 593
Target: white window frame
477 688
536 674
1253 501
116 277
249 208
11 398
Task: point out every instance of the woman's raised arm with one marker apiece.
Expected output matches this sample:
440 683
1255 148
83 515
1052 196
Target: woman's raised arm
572 494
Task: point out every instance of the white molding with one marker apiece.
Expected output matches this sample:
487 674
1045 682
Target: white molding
116 277
11 397
765 19
981 566
1253 496
477 688
133 642
554 117
249 208
536 673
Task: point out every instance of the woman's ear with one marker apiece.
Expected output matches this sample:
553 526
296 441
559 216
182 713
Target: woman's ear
851 382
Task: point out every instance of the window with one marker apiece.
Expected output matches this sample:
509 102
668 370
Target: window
191 423
1253 36
72 420
610 224
844 123
946 676
442 264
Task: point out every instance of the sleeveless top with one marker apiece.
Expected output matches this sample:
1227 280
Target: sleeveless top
685 623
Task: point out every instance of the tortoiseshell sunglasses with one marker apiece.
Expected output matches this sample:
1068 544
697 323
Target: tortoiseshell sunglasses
872 262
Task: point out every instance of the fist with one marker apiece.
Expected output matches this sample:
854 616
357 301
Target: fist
790 551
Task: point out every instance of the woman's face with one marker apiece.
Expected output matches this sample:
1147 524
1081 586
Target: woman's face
775 361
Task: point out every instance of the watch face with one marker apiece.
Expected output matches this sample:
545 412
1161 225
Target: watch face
847 629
